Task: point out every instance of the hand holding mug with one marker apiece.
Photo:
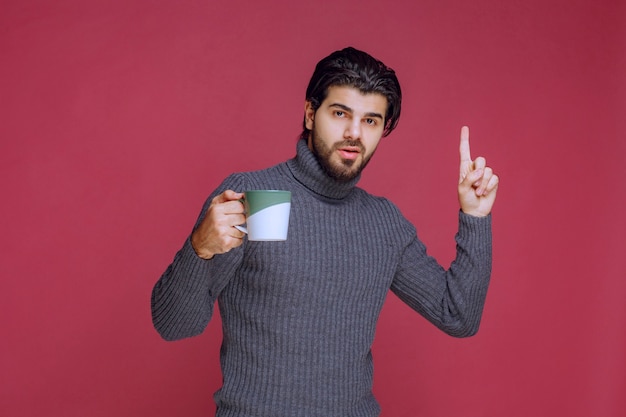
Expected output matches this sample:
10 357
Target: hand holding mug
216 233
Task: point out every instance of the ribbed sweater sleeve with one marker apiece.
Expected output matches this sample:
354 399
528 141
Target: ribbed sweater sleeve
452 299
183 298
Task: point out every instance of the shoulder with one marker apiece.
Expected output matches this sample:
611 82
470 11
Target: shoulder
376 202
386 210
255 179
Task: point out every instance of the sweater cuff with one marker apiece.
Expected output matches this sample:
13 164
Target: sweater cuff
474 225
196 268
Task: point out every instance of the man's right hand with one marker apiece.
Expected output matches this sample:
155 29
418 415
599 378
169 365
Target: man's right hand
216 233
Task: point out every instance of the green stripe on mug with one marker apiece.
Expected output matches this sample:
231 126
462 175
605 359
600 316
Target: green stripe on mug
267 214
257 200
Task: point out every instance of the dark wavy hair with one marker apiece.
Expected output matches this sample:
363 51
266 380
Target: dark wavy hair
354 68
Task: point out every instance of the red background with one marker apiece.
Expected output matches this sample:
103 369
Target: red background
119 117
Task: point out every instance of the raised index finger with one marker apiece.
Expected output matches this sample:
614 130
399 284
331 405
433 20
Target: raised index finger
464 147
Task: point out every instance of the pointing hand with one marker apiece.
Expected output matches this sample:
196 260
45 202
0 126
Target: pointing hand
477 182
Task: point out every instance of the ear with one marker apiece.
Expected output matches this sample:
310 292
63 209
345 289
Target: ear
309 115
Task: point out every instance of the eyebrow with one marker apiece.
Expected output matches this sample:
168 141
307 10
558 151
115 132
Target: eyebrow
349 110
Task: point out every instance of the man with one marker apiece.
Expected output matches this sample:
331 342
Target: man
299 316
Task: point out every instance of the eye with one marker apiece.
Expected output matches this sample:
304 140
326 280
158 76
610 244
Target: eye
370 122
339 113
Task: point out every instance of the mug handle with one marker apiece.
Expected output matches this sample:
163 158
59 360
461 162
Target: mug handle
241 227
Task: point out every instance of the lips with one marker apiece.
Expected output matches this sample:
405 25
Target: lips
349 152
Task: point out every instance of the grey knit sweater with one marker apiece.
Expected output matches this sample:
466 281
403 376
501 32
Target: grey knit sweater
299 316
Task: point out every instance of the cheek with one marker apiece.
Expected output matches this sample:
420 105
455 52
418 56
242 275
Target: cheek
372 142
330 132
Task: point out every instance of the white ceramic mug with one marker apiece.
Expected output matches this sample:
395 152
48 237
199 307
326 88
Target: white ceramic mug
267 214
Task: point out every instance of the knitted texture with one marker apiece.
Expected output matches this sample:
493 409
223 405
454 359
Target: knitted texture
299 316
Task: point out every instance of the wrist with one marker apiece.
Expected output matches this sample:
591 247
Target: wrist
199 250
475 213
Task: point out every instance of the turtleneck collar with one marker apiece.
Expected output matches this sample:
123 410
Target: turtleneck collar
309 173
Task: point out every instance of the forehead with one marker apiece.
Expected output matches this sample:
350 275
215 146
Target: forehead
356 100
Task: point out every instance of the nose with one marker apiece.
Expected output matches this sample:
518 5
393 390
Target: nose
353 130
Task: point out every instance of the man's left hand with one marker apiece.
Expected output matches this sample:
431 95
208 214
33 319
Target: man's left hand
477 182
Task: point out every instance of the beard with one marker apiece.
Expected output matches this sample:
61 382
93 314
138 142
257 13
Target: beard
339 169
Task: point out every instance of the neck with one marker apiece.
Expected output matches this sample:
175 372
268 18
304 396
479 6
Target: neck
307 170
